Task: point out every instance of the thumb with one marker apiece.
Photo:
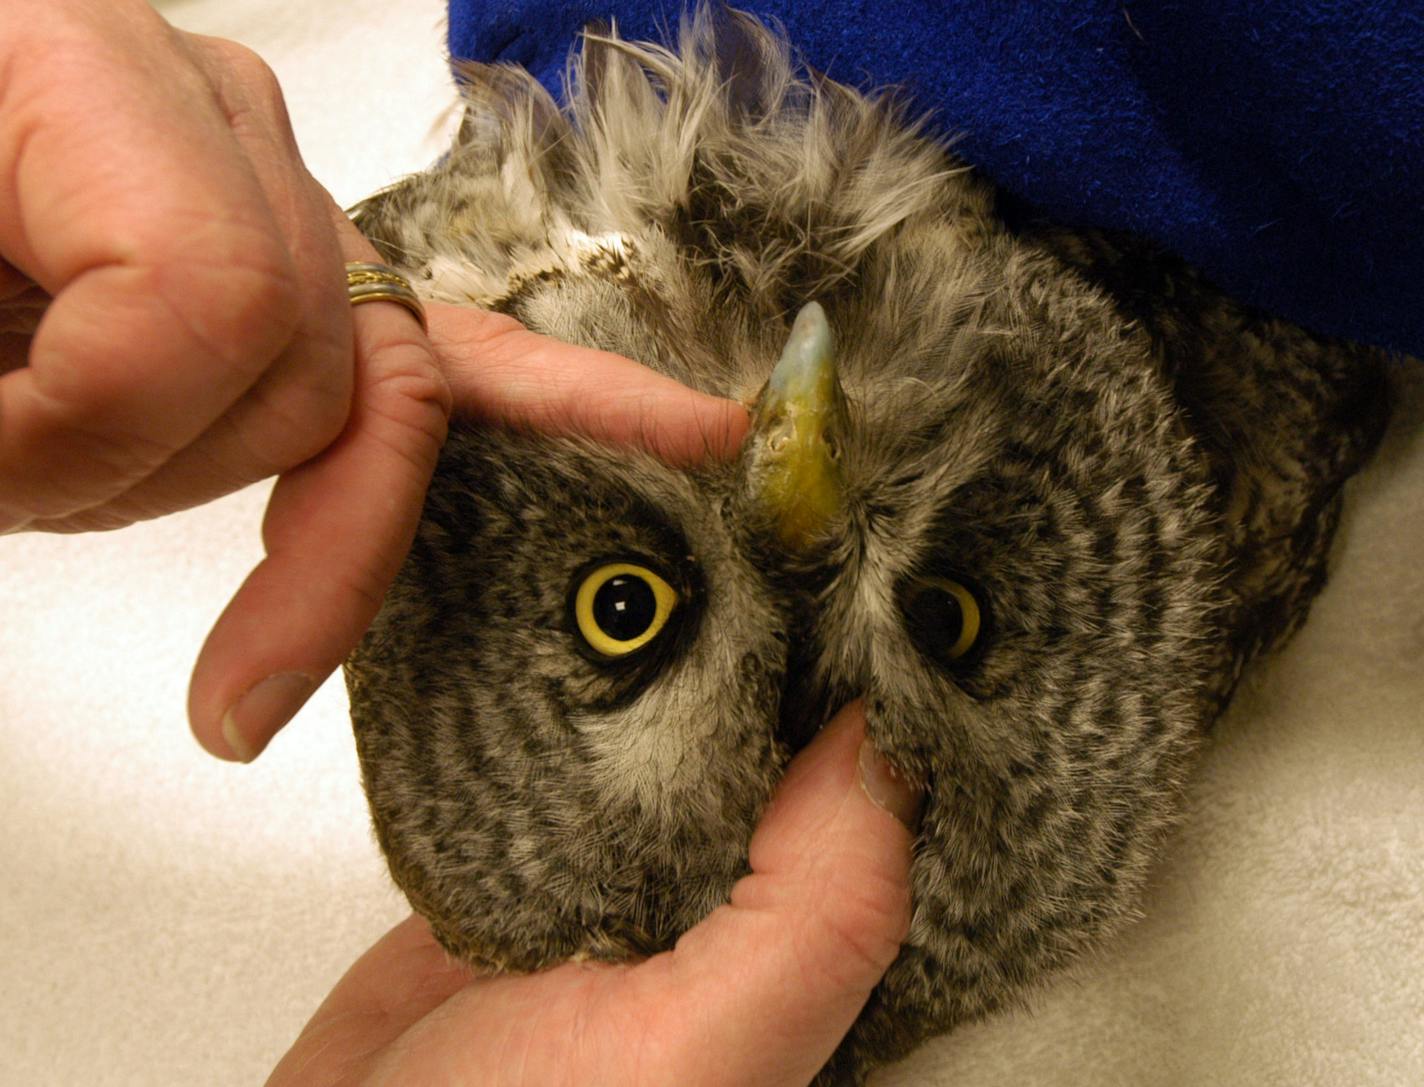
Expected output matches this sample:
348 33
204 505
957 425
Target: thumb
776 977
757 995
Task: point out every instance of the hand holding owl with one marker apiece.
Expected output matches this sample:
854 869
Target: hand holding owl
758 995
173 326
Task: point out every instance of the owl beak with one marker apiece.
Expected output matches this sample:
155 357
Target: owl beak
792 455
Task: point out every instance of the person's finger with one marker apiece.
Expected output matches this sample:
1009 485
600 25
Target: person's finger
22 306
172 288
501 372
12 281
786 966
402 978
770 983
336 531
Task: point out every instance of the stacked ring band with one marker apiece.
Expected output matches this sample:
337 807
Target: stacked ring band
369 282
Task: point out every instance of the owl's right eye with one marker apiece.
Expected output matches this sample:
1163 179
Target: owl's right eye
620 607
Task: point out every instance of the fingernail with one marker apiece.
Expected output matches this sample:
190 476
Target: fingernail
887 789
254 719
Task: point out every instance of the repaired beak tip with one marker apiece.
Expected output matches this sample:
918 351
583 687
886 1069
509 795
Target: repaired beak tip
796 432
807 363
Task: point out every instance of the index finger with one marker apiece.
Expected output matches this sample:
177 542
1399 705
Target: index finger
500 372
172 287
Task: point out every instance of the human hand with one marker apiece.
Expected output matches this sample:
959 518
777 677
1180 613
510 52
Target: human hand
171 284
174 325
301 611
757 995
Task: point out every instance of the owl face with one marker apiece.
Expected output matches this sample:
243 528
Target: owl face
1036 518
594 666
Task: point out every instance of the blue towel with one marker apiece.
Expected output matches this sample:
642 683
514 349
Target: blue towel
1276 144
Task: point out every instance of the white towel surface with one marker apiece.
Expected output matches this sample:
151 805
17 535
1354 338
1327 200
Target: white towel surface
169 919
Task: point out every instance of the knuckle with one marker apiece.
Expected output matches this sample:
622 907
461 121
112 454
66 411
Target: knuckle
409 387
295 419
865 922
366 583
326 401
97 465
418 408
264 283
240 295
248 83
241 62
263 86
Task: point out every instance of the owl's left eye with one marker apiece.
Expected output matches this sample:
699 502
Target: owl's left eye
945 618
619 607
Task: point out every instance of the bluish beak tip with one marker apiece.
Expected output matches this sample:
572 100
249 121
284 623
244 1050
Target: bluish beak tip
806 354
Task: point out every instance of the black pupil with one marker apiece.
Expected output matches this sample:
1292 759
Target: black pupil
937 619
624 607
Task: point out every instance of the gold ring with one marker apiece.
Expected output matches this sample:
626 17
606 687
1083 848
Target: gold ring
368 282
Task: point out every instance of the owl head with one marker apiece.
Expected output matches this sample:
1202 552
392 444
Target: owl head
1036 519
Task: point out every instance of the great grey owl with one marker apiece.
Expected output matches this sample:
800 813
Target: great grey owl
1036 494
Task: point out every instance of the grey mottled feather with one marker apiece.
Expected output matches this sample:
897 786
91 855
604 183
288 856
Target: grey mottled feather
1139 476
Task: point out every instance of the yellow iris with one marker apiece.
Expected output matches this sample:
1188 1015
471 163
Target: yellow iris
947 616
620 607
969 609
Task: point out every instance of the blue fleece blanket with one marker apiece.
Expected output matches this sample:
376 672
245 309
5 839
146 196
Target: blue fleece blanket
1277 145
